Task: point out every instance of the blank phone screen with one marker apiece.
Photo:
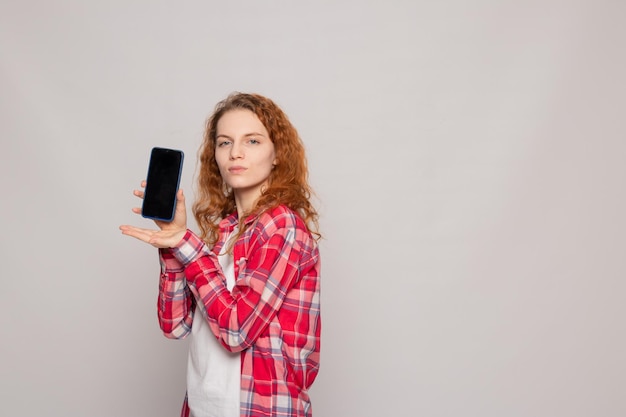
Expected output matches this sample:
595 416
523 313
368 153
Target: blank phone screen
162 184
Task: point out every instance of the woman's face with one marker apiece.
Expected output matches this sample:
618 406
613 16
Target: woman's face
245 154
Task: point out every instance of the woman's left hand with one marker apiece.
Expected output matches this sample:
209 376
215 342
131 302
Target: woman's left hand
170 233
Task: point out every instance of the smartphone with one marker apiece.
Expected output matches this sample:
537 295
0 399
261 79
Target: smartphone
164 172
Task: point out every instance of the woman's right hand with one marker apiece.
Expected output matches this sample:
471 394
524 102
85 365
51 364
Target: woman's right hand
169 233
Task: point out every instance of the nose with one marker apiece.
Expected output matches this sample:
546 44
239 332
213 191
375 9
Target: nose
236 151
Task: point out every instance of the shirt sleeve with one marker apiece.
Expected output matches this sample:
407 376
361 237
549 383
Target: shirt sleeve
238 318
175 305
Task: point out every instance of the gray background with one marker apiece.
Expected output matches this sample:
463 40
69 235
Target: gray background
469 162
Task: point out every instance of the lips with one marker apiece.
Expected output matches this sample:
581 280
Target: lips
236 169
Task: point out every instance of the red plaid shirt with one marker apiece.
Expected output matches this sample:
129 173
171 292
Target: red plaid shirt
272 315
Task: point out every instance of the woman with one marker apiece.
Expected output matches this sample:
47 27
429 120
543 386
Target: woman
247 288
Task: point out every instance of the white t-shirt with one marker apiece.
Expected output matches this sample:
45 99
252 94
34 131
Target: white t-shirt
213 373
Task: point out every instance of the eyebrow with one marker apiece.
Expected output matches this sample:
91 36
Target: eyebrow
245 136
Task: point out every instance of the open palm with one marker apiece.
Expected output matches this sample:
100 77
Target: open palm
169 233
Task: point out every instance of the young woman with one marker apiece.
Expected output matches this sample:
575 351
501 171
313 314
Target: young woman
246 289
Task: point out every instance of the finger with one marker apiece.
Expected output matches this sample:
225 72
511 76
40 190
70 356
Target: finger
135 231
138 233
138 193
143 184
180 198
180 216
136 210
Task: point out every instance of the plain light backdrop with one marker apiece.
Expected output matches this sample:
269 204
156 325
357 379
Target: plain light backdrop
469 162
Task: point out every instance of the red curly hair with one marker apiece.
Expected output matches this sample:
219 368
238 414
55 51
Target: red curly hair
287 183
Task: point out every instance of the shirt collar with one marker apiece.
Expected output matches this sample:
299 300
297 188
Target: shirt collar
228 223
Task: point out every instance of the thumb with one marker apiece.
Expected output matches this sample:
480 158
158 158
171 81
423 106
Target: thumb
180 199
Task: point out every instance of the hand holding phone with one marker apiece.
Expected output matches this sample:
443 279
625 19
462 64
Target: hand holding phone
164 172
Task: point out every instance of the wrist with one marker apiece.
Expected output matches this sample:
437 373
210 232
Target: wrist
189 248
178 238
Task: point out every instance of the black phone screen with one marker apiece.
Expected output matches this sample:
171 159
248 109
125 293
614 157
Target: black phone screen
164 170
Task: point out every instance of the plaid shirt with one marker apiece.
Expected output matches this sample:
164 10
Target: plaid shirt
272 315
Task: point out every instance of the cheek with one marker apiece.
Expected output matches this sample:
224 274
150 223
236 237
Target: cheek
273 159
219 159
270 163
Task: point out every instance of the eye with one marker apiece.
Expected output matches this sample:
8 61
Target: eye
222 143
254 141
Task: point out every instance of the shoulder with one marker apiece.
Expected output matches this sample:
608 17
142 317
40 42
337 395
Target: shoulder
282 231
281 220
281 217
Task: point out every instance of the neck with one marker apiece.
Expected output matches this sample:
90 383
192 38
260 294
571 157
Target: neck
244 203
246 198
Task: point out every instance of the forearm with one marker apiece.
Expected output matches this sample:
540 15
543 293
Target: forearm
238 317
175 302
224 310
199 268
264 277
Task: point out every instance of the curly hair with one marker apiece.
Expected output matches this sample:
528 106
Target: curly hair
287 184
